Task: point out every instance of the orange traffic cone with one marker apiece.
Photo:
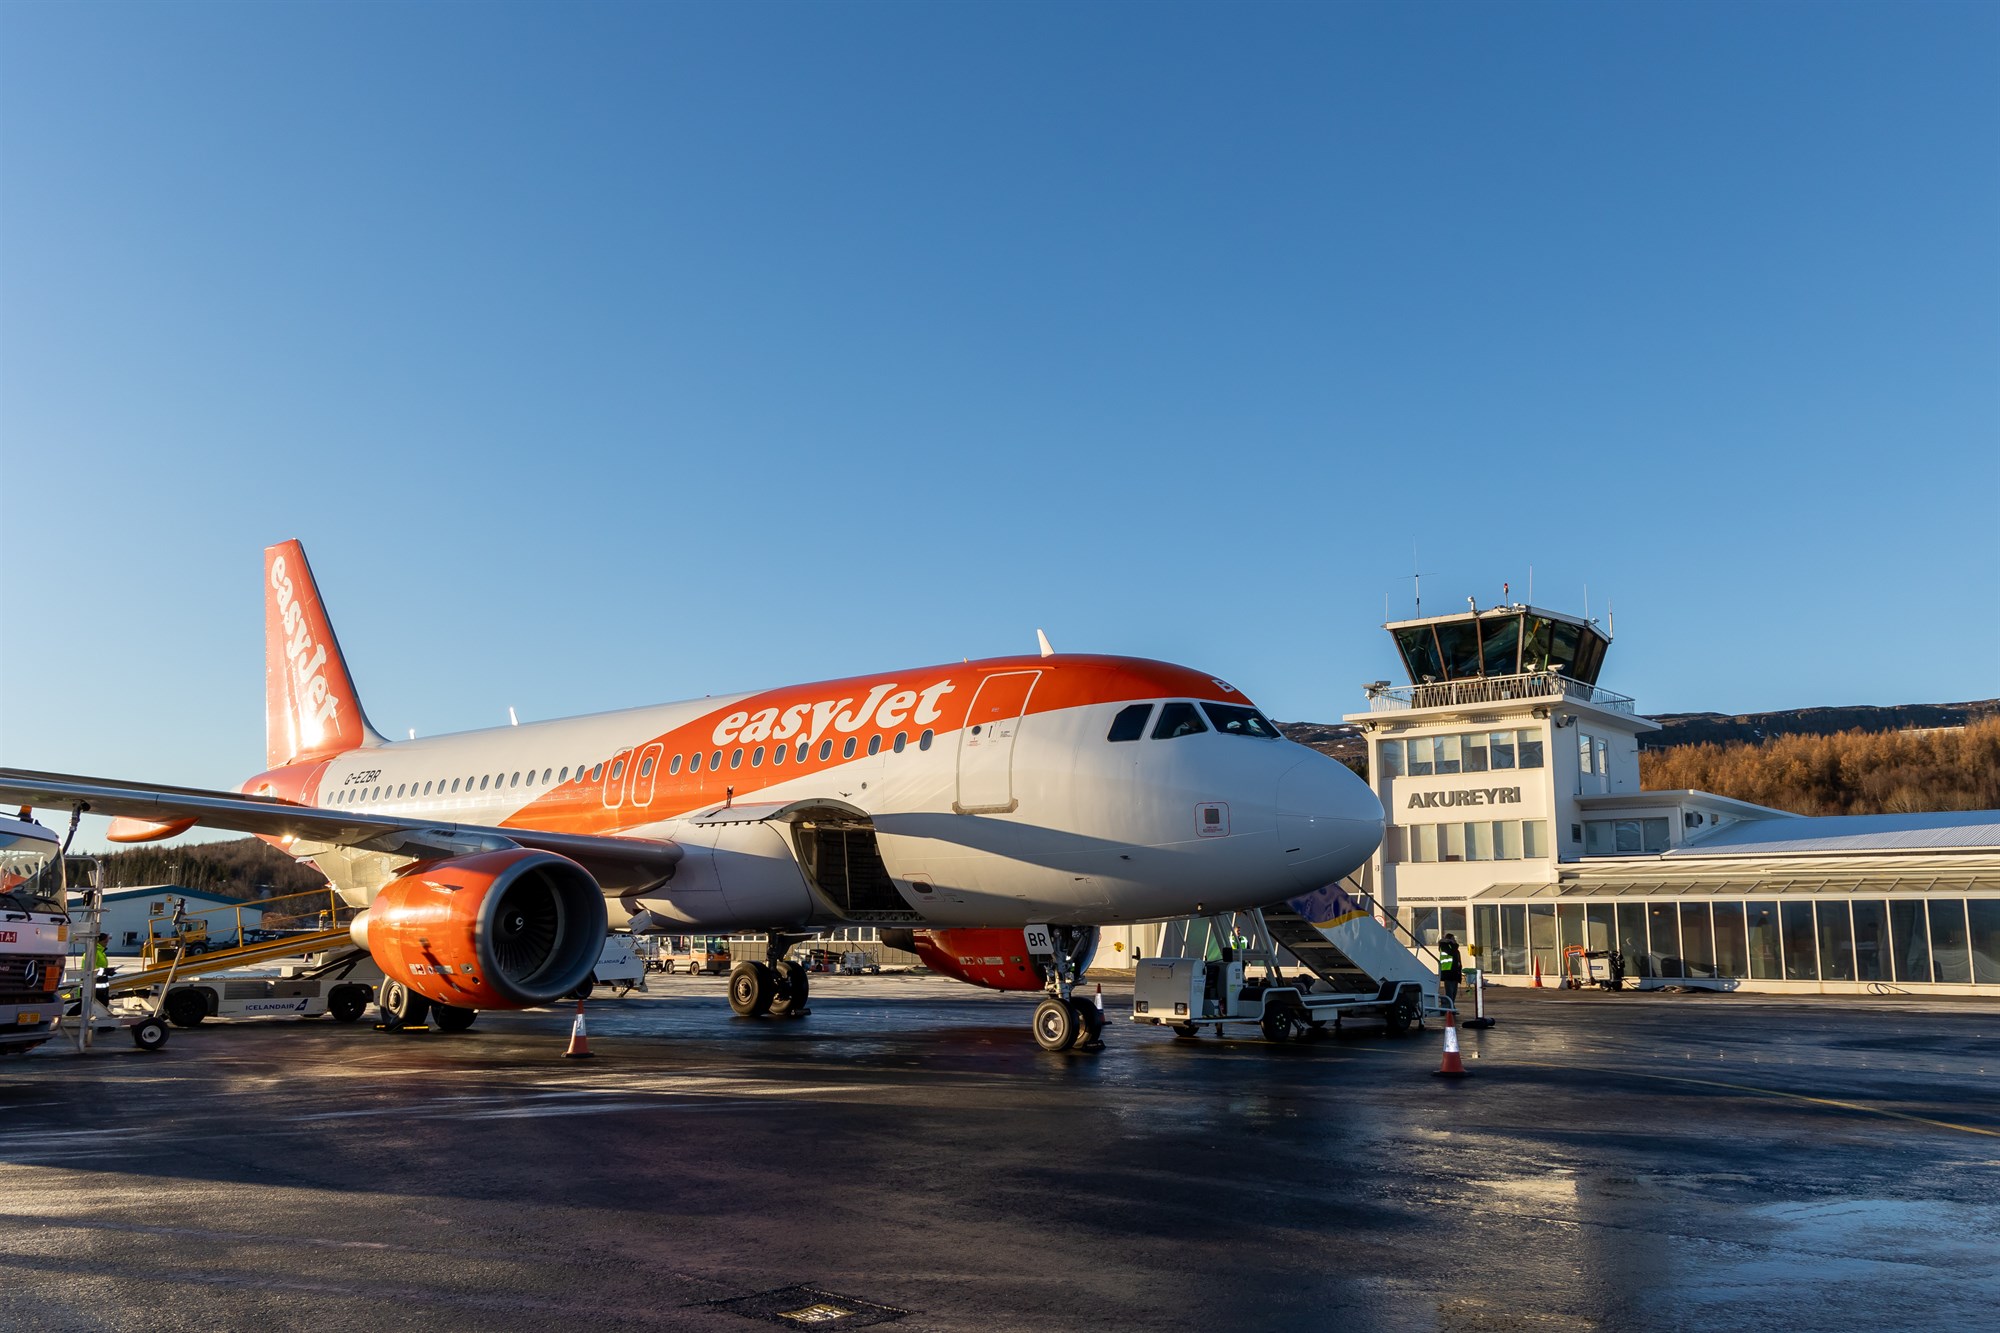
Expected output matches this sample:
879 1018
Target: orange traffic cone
1538 974
1453 1067
579 1038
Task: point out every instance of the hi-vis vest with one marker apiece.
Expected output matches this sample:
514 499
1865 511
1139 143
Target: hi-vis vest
1446 962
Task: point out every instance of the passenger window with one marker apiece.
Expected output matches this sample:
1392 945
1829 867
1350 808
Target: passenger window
736 757
454 784
847 750
902 739
531 777
545 777
483 780
617 769
399 789
564 775
1177 719
714 760
778 753
694 764
673 766
825 750
800 757
924 741
427 789
596 772
646 767
874 745
1130 724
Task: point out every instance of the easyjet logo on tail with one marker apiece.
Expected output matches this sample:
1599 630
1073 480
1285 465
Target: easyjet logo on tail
315 704
886 706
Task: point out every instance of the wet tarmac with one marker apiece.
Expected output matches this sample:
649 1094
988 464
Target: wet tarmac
905 1154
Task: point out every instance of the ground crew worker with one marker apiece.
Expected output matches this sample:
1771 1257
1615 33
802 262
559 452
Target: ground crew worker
1449 967
103 952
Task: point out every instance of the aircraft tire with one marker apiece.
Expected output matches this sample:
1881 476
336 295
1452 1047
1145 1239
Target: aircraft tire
402 1007
794 985
751 989
452 1017
1056 1025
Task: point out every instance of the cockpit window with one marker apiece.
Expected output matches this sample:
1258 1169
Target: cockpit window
1130 724
1236 720
1177 719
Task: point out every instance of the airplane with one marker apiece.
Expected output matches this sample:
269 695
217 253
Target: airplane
989 815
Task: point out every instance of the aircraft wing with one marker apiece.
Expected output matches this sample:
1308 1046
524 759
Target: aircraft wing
617 863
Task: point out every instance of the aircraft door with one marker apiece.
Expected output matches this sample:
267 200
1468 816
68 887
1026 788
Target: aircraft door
648 772
986 745
614 779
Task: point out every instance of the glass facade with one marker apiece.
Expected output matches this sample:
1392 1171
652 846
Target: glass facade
1462 752
1499 644
1896 940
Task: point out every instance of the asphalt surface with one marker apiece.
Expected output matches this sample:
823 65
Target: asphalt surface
1632 1162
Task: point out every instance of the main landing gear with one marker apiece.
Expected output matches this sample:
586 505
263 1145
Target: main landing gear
1065 1020
777 986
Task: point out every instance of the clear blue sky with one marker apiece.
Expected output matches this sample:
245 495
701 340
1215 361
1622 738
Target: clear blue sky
608 354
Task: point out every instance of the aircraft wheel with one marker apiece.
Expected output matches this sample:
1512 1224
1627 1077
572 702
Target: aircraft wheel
794 984
587 989
452 1017
1056 1024
149 1035
185 1006
1090 1022
750 989
402 1007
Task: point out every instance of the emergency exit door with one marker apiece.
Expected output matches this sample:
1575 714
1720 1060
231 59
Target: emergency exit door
986 744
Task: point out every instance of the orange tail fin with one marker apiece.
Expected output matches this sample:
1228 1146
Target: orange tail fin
310 708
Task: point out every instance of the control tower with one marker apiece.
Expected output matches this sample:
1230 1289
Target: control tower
1497 754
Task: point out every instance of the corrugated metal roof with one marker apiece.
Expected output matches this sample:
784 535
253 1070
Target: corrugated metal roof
1972 882
1929 831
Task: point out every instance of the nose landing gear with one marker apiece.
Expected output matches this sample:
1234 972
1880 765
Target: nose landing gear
1065 1020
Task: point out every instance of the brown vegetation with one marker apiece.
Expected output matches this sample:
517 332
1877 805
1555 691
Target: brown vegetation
1850 773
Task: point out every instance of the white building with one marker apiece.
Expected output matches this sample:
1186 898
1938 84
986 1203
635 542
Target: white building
127 913
1516 822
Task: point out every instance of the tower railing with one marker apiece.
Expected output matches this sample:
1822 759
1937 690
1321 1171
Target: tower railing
1494 690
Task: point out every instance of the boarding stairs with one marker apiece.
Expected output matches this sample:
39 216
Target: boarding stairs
177 944
1354 966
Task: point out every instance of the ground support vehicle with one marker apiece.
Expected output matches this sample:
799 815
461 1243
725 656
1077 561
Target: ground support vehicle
696 955
34 934
339 983
1349 971
619 966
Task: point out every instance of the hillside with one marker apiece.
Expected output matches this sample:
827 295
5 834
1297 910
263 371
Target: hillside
244 868
1849 773
1722 728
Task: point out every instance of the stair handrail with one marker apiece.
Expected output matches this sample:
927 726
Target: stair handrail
1376 910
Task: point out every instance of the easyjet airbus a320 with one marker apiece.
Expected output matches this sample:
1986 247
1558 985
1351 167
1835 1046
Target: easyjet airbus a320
996 811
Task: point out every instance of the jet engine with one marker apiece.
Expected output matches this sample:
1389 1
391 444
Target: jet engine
498 930
995 957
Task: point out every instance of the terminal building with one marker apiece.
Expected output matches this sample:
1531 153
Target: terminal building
1516 822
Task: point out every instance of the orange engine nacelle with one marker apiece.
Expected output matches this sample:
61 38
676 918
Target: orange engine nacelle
499 930
995 957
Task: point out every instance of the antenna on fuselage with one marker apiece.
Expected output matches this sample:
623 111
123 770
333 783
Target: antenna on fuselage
512 721
1043 640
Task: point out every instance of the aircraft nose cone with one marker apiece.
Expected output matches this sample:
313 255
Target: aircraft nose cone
1329 821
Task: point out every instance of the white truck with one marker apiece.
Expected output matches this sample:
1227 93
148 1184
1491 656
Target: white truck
34 934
